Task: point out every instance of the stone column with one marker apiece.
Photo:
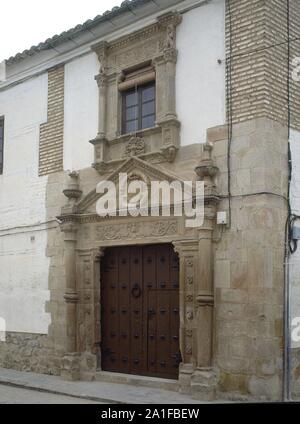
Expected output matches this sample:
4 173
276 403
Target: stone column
97 255
187 251
170 58
70 367
165 65
100 141
203 381
102 85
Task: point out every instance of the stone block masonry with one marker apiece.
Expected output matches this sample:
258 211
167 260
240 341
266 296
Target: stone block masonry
52 132
29 352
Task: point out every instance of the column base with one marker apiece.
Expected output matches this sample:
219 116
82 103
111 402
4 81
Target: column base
185 375
71 367
88 366
204 384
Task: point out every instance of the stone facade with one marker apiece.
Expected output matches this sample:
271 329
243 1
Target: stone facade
248 260
52 132
231 278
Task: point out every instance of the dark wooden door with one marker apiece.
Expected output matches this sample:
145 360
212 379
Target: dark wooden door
140 311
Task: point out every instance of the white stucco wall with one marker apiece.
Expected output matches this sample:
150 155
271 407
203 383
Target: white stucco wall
200 86
295 203
200 96
200 82
23 262
81 111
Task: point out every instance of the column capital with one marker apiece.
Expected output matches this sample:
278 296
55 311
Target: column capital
101 78
98 253
101 50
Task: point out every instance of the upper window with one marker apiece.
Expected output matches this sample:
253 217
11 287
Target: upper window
138 108
1 144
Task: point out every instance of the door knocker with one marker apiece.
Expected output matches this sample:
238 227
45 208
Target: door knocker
136 291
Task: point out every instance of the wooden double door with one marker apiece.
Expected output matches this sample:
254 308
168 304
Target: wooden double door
140 311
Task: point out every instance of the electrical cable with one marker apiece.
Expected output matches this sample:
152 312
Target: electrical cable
287 246
229 111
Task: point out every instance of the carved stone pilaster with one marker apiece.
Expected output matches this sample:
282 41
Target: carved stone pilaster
101 50
170 138
187 251
206 170
197 300
100 147
70 368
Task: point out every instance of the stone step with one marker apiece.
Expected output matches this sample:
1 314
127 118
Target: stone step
136 380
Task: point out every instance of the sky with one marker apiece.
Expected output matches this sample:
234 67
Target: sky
28 22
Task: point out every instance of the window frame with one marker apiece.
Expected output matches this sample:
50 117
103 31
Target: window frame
2 145
139 90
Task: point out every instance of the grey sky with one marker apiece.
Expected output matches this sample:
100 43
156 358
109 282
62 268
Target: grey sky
28 22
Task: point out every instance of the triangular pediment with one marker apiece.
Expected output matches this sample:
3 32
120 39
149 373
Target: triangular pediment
134 168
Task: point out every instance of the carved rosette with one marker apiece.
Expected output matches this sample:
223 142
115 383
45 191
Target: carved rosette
189 304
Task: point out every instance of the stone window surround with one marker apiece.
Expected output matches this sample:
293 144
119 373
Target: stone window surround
154 45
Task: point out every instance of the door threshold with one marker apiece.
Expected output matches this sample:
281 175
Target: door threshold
137 380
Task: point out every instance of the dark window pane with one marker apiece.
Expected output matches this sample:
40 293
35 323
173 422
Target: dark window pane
131 126
131 113
148 108
148 121
138 108
148 93
131 99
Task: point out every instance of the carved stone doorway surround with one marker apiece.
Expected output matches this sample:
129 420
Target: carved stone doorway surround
86 235
83 298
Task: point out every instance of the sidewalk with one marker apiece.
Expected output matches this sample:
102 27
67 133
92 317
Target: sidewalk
105 392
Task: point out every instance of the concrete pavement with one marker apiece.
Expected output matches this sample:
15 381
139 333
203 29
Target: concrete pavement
103 392
18 395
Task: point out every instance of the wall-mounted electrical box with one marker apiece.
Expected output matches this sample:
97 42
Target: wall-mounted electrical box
222 218
296 233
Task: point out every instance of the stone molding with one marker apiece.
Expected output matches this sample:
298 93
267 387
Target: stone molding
154 44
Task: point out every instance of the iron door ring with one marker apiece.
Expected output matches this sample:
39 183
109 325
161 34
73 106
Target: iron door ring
136 291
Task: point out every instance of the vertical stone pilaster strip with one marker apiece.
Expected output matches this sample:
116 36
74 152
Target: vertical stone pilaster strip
70 368
101 51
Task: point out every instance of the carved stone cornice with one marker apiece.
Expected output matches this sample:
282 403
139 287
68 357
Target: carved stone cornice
169 19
